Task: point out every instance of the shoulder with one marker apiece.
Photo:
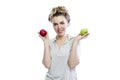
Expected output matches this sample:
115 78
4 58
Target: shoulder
70 38
52 41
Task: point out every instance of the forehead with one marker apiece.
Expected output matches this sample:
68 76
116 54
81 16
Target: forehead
58 19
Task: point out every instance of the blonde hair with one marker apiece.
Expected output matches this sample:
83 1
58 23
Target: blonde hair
59 11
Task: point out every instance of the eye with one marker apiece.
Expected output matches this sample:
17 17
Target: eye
54 24
62 22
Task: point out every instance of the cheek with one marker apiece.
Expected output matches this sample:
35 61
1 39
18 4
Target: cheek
55 29
64 28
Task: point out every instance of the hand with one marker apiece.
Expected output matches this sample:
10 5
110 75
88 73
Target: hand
79 37
45 38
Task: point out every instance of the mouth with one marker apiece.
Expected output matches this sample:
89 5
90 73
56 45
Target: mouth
60 31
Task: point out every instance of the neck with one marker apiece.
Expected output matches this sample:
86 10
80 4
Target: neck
61 37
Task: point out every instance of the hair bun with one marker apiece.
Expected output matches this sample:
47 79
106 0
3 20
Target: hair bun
59 9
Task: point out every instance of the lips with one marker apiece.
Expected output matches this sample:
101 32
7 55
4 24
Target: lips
60 31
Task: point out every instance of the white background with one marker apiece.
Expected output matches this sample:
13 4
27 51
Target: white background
21 49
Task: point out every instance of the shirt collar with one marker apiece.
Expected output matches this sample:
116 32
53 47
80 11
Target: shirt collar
69 38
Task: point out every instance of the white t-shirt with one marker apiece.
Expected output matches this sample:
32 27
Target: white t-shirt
59 69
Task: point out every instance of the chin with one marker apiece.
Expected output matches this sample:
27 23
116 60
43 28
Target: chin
61 34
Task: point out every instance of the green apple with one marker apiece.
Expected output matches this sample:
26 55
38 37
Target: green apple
83 31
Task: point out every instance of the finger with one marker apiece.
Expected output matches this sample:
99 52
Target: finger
38 33
47 36
86 34
41 37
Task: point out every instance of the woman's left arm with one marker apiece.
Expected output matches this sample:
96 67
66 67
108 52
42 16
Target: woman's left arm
74 58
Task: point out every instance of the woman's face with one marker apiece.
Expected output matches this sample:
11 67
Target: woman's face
60 24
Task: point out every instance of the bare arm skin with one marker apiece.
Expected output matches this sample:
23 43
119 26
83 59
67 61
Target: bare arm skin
74 58
46 56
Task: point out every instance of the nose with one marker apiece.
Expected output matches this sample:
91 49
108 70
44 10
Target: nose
59 26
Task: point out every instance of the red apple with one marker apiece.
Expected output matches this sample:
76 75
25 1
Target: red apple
43 32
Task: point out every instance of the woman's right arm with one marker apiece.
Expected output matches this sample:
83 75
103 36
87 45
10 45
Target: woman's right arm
46 56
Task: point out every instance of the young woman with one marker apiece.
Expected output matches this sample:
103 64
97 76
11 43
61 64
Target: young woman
60 54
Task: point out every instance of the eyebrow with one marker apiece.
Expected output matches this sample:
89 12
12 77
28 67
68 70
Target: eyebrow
59 22
55 23
62 22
